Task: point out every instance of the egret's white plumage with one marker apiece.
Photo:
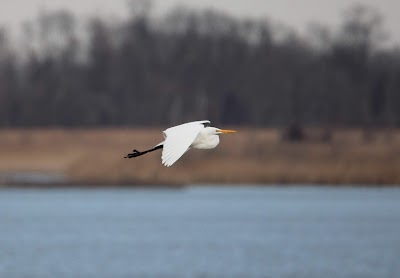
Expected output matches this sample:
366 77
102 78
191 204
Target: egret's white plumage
179 139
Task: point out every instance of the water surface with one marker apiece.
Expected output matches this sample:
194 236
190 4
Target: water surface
200 232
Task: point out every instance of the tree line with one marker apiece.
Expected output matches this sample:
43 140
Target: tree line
190 65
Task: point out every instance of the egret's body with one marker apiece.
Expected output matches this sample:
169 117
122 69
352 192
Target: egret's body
179 139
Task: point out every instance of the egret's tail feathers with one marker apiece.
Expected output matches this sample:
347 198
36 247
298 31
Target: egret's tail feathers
136 153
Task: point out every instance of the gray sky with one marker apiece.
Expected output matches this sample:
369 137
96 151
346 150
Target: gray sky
296 13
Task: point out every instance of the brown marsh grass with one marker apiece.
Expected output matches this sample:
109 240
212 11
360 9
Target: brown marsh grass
96 157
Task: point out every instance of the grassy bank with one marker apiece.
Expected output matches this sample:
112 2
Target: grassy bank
251 156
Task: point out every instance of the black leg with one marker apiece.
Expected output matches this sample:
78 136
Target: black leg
136 153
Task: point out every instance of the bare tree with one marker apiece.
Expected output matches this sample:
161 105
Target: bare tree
193 64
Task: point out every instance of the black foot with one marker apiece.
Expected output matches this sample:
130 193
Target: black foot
134 153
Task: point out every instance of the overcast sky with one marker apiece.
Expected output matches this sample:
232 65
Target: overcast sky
296 13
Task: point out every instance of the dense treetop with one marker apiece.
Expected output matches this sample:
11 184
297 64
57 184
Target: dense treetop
191 65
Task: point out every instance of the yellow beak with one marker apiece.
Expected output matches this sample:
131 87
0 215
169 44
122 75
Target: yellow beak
226 131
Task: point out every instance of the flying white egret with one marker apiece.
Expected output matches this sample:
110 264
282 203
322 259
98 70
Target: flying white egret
179 139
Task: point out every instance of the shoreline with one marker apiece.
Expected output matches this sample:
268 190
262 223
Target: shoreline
102 185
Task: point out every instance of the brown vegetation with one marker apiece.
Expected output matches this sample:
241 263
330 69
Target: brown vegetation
96 157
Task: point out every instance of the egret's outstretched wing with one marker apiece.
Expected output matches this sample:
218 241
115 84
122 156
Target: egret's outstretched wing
178 140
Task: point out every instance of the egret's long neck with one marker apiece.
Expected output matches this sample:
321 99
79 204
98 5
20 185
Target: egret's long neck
205 141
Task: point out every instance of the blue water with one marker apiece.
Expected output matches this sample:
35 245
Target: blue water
200 232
